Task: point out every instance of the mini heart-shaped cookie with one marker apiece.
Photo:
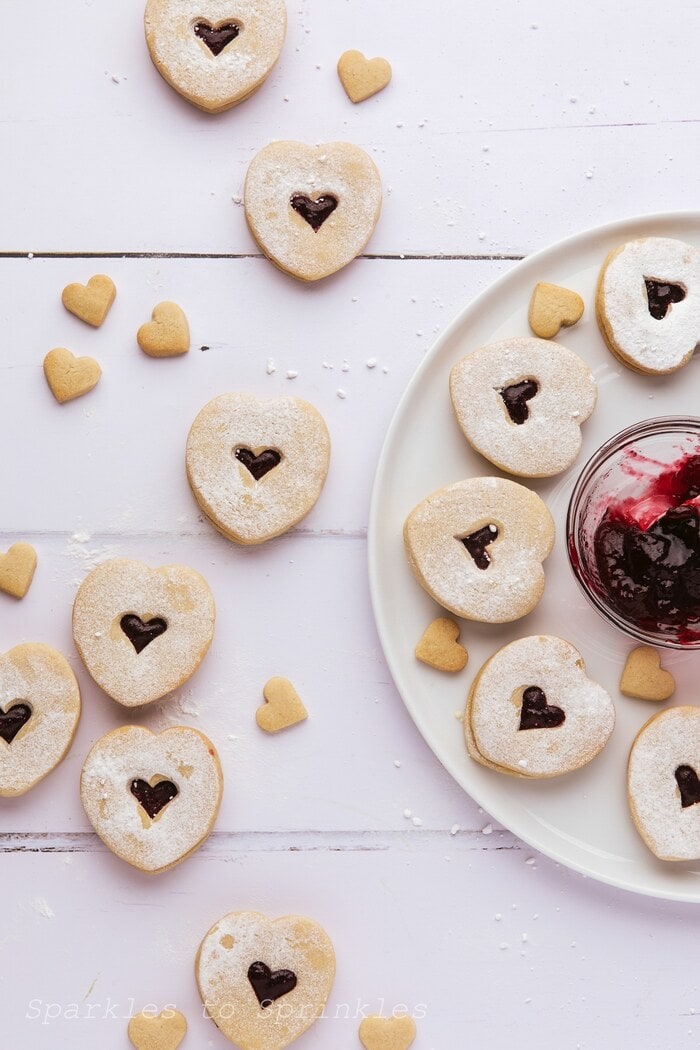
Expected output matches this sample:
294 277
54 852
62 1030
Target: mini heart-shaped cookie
387 1033
552 308
90 302
69 376
362 77
164 1032
39 713
643 678
256 467
439 646
215 53
152 833
264 982
142 632
167 334
311 209
283 706
17 566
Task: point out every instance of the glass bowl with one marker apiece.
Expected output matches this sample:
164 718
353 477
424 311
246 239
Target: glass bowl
616 531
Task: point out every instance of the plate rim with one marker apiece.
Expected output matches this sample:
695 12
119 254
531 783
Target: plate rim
624 227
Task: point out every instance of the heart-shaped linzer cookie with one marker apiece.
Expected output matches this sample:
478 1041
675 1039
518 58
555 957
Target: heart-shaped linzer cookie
552 308
164 1032
17 567
264 982
362 77
90 302
439 646
215 53
167 334
312 209
39 713
152 830
387 1033
69 376
142 632
283 706
256 467
643 678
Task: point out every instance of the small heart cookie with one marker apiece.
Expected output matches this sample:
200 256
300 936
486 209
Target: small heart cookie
283 706
39 713
477 548
312 209
533 712
552 308
643 678
362 77
17 566
215 53
439 647
90 302
152 798
663 787
263 982
164 1032
387 1033
69 376
142 632
167 334
256 467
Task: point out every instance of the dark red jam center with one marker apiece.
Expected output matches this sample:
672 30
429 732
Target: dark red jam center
141 633
516 397
259 465
647 552
689 786
314 212
536 713
153 799
269 985
477 543
660 296
11 721
216 37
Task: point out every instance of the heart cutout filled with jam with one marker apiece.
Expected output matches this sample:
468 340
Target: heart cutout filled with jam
141 633
153 798
661 295
515 398
12 720
268 985
315 212
477 544
261 464
536 713
216 37
688 785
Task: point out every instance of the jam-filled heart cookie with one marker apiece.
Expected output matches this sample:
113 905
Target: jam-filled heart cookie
142 632
312 209
152 798
663 783
264 981
648 303
257 467
39 713
215 53
521 403
477 548
533 712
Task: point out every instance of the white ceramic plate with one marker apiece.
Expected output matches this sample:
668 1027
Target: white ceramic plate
581 820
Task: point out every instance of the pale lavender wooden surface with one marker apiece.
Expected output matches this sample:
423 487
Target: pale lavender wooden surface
506 127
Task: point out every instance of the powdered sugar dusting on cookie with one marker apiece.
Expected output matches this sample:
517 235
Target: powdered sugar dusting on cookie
556 667
244 508
667 741
638 339
181 755
338 169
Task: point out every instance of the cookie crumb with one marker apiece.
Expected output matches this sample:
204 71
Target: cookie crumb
397 763
292 374
417 822
487 830
342 394
371 362
407 814
454 829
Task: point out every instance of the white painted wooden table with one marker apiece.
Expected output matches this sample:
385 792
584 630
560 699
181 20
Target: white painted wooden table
507 126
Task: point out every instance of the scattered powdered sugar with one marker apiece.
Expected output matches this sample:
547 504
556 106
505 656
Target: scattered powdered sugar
42 907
